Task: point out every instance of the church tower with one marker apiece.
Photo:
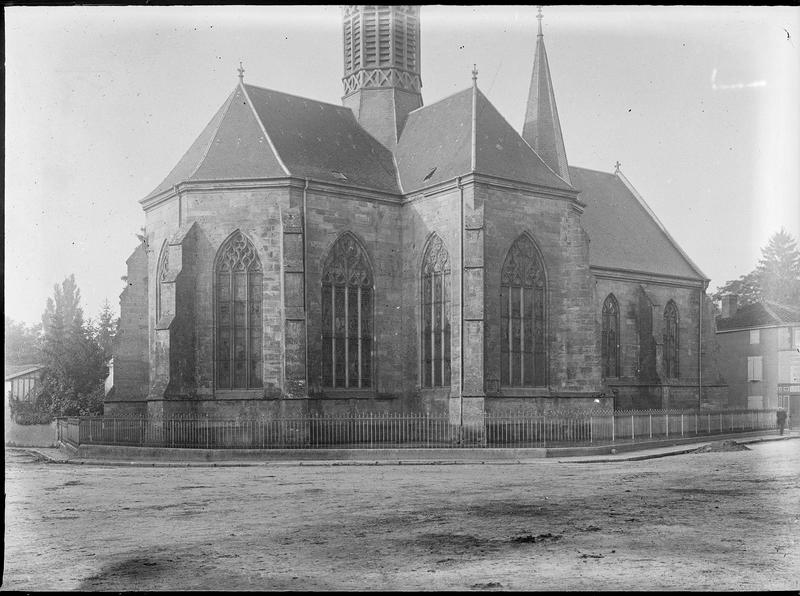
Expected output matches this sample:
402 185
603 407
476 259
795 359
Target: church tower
381 67
542 129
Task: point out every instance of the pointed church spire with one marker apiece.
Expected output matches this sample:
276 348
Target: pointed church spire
542 130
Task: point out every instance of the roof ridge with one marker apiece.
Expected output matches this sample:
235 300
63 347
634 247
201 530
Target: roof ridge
520 137
438 101
224 111
660 225
264 130
592 170
327 103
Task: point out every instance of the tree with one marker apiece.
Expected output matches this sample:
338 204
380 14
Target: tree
22 342
75 365
776 278
778 271
106 329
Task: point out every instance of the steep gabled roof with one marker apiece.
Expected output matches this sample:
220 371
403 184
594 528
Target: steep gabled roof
760 314
623 232
437 142
259 133
231 146
323 141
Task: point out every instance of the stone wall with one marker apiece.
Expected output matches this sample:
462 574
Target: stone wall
642 382
554 225
131 361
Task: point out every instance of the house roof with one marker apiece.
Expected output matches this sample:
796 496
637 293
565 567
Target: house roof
12 371
259 133
623 232
760 314
437 142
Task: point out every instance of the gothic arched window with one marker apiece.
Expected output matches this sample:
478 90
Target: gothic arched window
610 337
671 340
162 270
436 315
238 277
523 319
347 315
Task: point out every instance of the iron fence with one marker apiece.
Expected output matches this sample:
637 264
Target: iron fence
412 430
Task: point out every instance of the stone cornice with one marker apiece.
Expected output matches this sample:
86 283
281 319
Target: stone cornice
352 192
646 277
498 183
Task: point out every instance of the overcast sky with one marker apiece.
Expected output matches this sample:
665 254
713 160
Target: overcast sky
700 105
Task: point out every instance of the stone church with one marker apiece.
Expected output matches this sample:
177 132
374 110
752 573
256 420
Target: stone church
388 255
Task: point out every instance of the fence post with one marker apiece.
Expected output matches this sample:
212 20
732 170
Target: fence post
633 433
650 416
113 431
613 427
591 429
666 418
681 423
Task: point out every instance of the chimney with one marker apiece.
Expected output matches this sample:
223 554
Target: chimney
729 305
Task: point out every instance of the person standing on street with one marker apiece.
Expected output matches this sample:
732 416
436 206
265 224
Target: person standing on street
781 414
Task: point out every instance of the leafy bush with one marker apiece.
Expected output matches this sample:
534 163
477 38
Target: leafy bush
26 412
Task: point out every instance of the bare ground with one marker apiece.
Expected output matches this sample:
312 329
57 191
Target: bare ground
726 520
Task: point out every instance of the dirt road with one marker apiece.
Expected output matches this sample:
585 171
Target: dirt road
705 521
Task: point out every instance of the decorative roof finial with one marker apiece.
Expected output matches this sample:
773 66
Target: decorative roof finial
474 74
616 167
241 72
539 16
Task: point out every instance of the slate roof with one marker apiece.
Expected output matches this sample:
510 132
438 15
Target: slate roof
279 132
318 140
440 136
12 371
760 314
542 128
622 232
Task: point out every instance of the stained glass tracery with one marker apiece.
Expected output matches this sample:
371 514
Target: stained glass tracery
347 316
610 337
238 275
436 314
523 317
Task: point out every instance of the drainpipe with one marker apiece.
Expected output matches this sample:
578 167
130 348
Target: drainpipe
700 353
305 279
461 322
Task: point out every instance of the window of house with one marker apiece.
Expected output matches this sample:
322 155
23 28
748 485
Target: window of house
238 277
755 336
754 368
523 322
347 292
671 338
610 337
435 302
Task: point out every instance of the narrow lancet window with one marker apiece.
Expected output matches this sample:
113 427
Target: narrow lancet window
238 278
671 346
435 302
610 337
347 316
523 317
162 272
